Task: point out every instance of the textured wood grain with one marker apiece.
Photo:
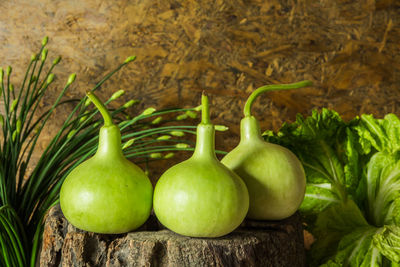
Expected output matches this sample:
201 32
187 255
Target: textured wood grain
255 243
227 47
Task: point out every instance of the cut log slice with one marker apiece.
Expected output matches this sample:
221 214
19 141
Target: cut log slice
254 243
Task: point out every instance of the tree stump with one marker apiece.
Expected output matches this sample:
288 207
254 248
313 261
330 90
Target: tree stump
254 243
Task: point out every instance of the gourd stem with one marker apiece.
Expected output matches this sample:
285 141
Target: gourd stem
205 112
272 87
100 106
205 134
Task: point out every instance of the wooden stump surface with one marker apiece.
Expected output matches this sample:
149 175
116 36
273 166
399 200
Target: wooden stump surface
254 243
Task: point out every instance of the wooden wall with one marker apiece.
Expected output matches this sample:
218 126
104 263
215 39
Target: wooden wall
349 49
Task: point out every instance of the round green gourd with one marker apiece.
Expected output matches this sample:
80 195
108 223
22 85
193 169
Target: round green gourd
107 193
200 197
273 175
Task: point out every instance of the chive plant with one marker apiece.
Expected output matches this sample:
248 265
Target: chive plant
26 196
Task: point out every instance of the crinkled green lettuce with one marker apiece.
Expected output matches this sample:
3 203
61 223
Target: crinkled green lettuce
352 201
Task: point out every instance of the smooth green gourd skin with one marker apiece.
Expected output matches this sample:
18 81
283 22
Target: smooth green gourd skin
200 197
273 175
107 193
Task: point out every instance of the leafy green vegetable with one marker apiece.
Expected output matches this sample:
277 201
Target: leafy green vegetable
352 202
388 242
327 154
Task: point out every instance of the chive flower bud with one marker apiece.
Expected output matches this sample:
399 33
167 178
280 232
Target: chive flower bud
117 94
1 75
169 155
57 60
82 119
191 114
50 78
129 59
13 105
157 120
128 144
14 135
18 126
182 145
44 54
71 134
177 133
181 117
96 124
45 40
164 137
34 57
9 70
130 103
221 128
71 78
148 111
87 102
155 155
11 88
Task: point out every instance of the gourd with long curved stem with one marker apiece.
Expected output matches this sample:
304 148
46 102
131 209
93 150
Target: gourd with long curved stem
274 176
200 197
107 193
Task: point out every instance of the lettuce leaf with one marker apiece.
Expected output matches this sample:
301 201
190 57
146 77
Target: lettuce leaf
379 134
332 225
388 242
326 147
383 188
352 202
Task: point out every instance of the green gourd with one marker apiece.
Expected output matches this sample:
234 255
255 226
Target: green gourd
107 193
200 197
273 175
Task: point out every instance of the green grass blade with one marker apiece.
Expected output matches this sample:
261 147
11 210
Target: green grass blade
11 236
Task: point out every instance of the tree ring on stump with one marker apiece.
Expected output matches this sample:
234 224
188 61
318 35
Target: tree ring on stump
254 243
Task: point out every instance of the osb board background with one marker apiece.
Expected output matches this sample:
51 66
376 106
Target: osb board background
349 49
